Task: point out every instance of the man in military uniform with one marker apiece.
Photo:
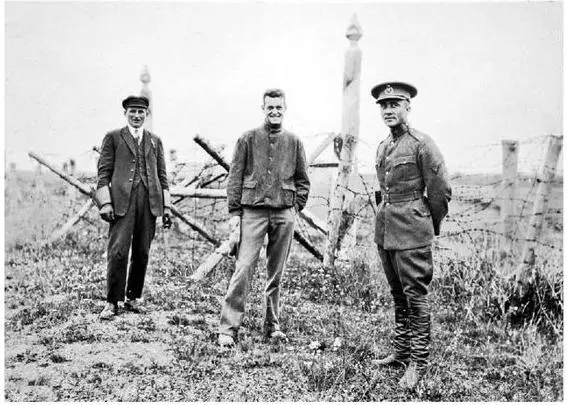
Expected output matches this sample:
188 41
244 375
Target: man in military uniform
267 186
132 191
413 199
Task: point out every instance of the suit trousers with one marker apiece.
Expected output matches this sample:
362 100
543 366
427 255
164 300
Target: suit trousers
136 229
278 224
409 273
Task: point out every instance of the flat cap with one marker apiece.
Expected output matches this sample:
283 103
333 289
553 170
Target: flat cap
393 90
136 101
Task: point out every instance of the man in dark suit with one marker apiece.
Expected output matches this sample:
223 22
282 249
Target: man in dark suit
132 191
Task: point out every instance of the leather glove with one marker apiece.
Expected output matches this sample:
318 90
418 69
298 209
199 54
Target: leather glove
107 213
166 219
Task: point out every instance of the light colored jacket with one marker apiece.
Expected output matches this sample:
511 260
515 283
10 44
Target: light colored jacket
267 170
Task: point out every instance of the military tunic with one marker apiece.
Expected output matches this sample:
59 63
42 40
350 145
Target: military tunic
415 196
414 188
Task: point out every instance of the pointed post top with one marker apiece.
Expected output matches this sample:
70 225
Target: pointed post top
354 30
145 75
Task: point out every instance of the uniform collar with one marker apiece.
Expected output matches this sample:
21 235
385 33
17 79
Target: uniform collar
399 130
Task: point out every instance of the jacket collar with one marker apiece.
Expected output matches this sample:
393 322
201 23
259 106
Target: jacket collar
129 139
272 131
147 139
399 130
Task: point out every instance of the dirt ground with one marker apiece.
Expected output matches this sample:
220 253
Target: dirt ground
337 321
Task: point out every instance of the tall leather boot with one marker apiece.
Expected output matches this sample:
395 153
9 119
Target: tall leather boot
420 324
401 341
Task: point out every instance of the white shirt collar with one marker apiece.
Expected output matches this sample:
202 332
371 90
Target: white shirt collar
133 132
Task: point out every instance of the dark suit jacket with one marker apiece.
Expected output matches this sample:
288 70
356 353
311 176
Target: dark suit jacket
117 165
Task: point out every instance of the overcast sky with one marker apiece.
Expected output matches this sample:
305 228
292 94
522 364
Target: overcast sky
484 72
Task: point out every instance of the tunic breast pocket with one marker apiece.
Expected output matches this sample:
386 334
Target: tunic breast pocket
405 168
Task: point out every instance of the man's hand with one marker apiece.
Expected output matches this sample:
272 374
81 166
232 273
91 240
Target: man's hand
234 225
107 213
166 219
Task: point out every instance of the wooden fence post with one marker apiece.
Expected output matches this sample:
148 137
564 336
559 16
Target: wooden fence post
71 221
329 138
145 78
223 163
525 272
510 150
145 91
350 126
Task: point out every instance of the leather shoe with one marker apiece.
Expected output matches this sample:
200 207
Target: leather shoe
133 306
392 360
226 341
275 336
109 311
411 377
278 335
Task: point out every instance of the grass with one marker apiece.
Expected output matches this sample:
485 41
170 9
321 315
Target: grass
485 346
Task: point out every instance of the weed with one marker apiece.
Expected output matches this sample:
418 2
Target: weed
40 380
57 358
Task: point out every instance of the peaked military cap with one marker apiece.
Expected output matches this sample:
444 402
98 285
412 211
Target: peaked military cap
136 101
393 90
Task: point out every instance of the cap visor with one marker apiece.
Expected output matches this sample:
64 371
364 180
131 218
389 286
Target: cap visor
391 98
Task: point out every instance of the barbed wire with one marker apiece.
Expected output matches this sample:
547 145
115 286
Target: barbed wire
475 208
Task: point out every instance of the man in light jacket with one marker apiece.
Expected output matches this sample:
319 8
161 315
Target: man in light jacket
267 187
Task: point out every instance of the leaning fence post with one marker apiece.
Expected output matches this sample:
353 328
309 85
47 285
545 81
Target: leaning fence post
510 150
525 272
350 125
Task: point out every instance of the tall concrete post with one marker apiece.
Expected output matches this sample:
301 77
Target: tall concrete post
350 128
510 149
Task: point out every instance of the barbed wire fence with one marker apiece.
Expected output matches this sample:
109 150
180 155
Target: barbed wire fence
475 219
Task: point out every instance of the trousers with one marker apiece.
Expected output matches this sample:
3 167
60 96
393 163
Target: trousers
136 229
409 273
255 224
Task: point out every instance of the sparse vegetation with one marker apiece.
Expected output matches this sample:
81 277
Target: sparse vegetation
488 345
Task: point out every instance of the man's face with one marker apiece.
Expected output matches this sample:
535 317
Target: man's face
136 116
394 112
274 109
